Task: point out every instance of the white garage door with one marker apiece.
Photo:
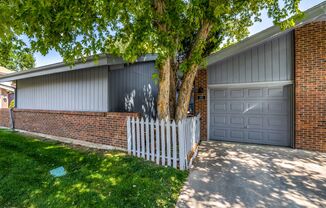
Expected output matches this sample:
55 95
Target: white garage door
260 115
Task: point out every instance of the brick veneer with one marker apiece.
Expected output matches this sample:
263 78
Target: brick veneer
5 117
107 128
201 105
310 86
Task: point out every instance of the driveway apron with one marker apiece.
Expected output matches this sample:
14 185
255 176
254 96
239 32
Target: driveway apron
241 175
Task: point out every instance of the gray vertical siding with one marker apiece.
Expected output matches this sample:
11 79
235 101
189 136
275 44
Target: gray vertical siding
81 90
133 89
270 61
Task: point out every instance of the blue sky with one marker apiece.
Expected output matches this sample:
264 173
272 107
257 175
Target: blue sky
54 57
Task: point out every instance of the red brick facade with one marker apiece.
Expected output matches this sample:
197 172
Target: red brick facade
201 104
310 86
107 128
5 117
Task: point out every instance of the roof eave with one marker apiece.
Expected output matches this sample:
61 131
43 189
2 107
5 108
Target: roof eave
103 60
312 14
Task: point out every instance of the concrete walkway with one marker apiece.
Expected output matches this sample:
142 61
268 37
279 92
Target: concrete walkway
238 175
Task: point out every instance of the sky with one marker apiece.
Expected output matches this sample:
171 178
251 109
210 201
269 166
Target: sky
54 57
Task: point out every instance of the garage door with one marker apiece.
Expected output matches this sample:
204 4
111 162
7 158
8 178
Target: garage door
260 115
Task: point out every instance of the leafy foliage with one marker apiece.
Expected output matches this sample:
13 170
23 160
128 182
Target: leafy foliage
131 28
15 55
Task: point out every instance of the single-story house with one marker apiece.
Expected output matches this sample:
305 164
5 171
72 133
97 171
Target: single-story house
267 89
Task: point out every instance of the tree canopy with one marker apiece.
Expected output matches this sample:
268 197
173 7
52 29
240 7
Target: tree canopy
181 32
15 55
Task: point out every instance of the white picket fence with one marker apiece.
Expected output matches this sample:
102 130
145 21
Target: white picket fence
164 142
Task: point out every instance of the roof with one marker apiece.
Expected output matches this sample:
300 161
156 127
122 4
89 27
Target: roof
4 71
104 60
7 86
317 12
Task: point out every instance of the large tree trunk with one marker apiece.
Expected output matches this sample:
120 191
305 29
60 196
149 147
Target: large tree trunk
189 77
185 93
173 89
164 90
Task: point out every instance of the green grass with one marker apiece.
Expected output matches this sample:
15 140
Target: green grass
94 179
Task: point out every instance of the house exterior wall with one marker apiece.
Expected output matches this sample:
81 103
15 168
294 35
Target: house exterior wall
269 61
310 86
200 103
97 127
132 89
4 102
5 117
80 90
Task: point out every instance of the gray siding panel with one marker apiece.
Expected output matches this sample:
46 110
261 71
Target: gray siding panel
133 89
269 61
80 90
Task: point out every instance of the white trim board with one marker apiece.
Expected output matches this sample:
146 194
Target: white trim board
208 113
253 84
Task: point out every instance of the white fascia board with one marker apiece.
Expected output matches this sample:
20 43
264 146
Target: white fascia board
253 84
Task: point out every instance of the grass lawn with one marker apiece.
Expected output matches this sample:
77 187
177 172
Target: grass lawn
94 178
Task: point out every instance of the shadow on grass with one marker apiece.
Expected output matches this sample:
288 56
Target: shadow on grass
94 179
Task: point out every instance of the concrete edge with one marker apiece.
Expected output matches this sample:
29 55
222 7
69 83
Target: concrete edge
68 140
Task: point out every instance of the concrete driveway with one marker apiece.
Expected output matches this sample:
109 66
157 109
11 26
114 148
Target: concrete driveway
239 175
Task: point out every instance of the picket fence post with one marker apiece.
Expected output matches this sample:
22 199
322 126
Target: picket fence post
128 135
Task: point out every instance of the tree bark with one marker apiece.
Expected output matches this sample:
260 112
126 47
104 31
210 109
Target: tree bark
164 66
164 90
185 93
189 77
173 89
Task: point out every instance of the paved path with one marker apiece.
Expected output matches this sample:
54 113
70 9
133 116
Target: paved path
238 175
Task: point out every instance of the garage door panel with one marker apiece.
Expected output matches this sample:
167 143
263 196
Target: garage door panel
236 134
220 133
236 107
259 115
277 107
255 93
219 107
220 120
236 93
276 138
277 123
237 121
219 94
276 92
255 136
254 107
255 123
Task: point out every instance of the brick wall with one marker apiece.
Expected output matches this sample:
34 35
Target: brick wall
107 128
310 89
201 104
5 117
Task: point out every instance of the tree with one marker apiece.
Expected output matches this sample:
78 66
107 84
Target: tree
181 32
15 55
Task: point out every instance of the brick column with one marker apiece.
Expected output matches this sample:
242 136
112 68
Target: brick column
201 101
310 86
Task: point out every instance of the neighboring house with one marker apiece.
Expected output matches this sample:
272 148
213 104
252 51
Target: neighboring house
6 89
268 89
